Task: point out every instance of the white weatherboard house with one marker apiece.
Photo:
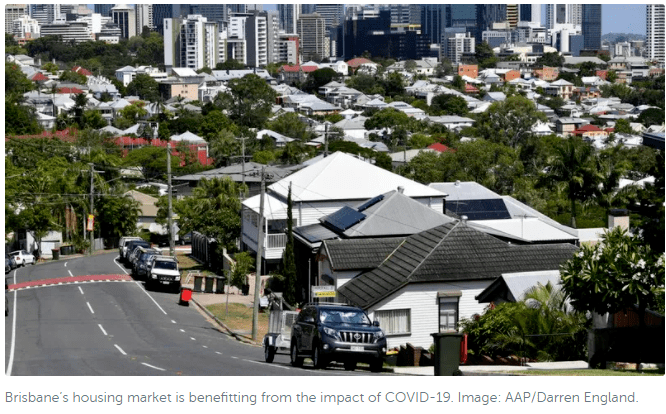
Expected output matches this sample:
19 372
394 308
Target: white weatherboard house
430 281
319 190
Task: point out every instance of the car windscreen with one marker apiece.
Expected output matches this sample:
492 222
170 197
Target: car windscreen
165 264
343 316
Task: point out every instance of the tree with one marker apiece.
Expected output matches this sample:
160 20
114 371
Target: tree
79 106
510 121
288 258
485 56
212 210
458 82
552 59
229 64
118 214
73 77
652 116
611 76
250 101
410 65
92 119
319 78
573 166
446 104
244 265
617 274
290 125
394 84
145 87
622 127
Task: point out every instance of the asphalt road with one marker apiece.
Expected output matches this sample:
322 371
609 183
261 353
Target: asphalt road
118 328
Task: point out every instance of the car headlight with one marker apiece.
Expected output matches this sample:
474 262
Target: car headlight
330 332
379 335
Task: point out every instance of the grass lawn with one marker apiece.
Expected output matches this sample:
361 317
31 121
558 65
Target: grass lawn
240 319
589 373
187 264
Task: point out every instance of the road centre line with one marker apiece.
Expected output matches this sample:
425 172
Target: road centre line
65 264
151 298
172 321
182 330
80 290
120 349
153 367
10 363
192 338
103 331
70 273
90 307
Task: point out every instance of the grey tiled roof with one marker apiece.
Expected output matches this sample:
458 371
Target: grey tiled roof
451 252
359 253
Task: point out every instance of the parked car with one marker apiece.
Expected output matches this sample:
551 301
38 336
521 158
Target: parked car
12 262
133 244
22 257
163 271
185 238
337 332
140 265
8 266
122 245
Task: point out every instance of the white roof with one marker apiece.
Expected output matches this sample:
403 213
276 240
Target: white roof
185 72
187 136
342 177
529 228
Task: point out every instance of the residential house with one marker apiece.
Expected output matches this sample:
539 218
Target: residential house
147 211
546 73
471 71
512 287
561 88
320 189
291 74
566 126
429 282
250 174
354 127
591 132
279 140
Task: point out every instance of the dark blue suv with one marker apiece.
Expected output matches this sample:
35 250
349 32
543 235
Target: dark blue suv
337 332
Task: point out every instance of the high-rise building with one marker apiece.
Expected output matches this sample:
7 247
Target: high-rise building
332 14
486 15
24 28
288 48
512 15
44 13
103 9
655 43
405 14
529 13
256 35
191 42
457 44
144 17
433 21
76 32
13 12
272 35
125 18
288 14
161 12
591 26
311 31
563 14
308 8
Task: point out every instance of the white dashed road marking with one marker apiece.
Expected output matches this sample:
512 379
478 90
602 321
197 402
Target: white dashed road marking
80 290
90 307
120 349
153 367
103 331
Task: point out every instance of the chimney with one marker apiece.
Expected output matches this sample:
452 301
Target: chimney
618 217
401 190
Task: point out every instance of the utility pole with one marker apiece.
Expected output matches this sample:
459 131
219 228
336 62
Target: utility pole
172 247
326 124
260 245
92 206
242 139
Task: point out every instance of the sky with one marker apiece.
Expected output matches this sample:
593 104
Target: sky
617 18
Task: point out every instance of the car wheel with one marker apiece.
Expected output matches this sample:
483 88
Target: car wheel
377 365
296 361
350 365
269 353
318 359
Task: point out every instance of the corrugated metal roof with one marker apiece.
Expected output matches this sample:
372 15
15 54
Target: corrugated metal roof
342 177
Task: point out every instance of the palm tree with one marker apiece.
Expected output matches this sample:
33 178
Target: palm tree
574 165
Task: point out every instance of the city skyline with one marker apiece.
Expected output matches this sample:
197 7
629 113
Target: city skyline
617 18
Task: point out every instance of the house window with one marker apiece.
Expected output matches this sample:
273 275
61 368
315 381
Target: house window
448 310
394 321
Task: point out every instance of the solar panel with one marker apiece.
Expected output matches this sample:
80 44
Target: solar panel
343 219
489 209
370 202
